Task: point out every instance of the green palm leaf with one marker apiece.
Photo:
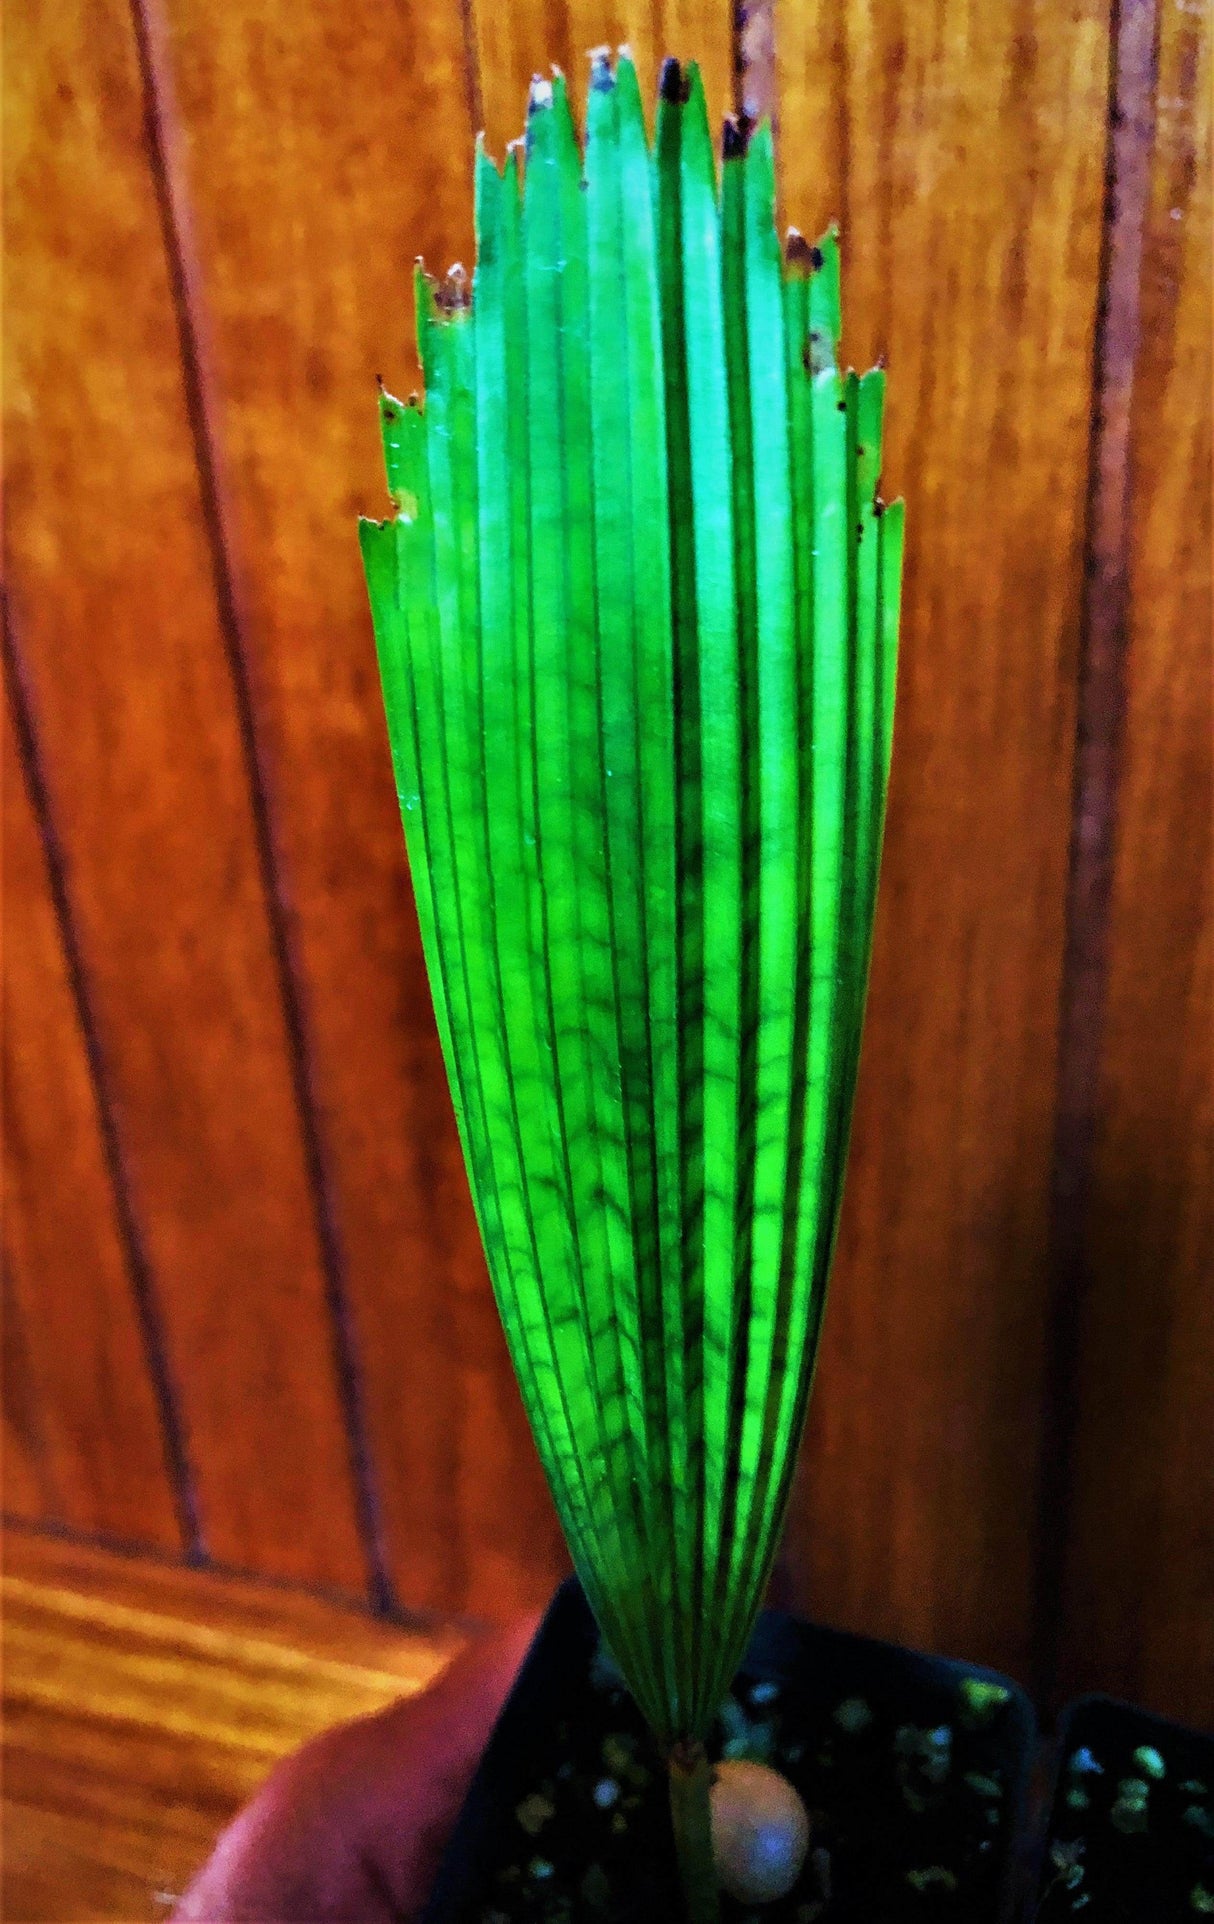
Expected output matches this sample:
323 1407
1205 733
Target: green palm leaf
636 617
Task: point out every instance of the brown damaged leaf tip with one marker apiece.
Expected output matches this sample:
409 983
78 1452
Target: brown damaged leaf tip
736 137
675 85
453 293
801 255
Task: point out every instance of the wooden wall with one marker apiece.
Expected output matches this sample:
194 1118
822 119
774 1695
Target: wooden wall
246 1320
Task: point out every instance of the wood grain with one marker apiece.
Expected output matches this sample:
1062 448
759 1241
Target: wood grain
132 697
1139 1617
83 1438
961 148
144 1705
308 206
511 42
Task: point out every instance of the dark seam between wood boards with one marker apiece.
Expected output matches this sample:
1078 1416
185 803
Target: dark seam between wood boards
17 1356
163 147
1100 712
473 89
138 1266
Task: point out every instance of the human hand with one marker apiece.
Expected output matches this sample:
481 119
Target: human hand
352 1826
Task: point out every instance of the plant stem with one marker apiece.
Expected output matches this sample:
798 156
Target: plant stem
691 1814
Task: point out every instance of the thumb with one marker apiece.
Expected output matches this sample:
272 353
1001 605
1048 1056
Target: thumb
354 1824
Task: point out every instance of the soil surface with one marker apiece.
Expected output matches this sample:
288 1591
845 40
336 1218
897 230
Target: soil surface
1131 1836
910 1784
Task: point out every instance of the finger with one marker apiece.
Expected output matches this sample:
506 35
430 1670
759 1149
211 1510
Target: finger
353 1825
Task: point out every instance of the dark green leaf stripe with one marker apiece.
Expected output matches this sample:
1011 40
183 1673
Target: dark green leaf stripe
636 619
729 688
646 712
628 511
773 756
552 1352
717 1001
571 787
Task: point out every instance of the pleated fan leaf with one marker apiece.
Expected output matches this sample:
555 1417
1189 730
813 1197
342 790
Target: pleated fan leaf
636 616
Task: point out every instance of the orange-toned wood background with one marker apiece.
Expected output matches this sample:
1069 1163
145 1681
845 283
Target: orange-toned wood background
246 1321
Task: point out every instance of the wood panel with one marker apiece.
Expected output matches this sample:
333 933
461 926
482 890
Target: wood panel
512 42
132 695
960 145
1140 1606
83 1409
960 142
144 1705
309 203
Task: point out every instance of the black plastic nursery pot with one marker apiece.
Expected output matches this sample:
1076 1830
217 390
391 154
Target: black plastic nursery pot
914 1769
1130 1835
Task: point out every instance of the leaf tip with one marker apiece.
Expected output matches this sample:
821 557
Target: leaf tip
453 293
673 85
736 136
802 258
539 100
